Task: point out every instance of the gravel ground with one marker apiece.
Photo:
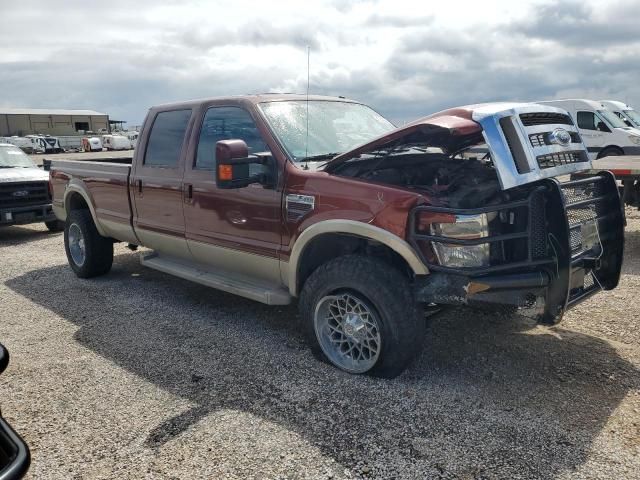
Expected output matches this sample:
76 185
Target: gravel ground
142 375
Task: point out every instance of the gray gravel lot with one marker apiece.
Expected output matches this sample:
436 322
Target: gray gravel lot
142 375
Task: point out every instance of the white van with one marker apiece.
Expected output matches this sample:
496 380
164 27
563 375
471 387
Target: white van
624 111
602 131
116 142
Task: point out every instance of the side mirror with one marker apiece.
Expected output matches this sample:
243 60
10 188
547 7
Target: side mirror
233 161
602 127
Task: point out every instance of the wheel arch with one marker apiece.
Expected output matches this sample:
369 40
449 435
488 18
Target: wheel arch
611 147
350 235
76 197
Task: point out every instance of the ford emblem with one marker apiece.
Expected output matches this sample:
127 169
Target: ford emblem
20 193
560 137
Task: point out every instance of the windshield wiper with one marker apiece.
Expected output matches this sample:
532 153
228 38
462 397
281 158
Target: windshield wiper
322 156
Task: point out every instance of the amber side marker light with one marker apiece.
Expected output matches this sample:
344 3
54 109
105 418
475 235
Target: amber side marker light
225 172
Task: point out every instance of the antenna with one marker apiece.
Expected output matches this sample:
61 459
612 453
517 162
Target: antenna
306 144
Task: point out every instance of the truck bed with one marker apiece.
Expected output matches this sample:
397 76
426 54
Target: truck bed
103 186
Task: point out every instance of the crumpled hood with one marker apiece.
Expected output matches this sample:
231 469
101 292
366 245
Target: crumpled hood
20 174
450 130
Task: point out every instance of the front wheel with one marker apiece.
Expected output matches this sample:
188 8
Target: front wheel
89 253
359 314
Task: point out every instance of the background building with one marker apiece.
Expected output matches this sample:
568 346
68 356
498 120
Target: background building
28 121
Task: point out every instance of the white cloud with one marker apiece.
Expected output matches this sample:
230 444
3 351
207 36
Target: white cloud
404 58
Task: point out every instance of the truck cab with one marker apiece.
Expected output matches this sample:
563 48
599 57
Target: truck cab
321 200
603 132
626 113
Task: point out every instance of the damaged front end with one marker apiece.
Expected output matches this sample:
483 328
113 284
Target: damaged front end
546 245
502 222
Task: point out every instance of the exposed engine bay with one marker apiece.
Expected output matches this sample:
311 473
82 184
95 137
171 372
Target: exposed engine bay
449 182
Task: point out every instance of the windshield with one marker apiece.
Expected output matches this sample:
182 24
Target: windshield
613 119
14 157
334 127
634 116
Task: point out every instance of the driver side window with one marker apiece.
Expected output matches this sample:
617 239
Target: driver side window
226 123
587 120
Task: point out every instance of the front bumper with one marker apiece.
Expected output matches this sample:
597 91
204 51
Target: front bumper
14 453
27 214
557 268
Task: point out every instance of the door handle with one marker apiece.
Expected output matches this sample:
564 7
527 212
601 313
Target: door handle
188 193
140 186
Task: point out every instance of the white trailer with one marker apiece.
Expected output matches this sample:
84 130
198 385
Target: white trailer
627 171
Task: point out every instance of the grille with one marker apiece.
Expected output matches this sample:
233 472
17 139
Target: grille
544 118
585 212
541 139
588 281
557 159
23 194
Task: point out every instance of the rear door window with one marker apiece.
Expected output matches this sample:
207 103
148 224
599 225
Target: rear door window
166 139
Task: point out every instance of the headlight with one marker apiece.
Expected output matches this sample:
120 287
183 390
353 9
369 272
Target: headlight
465 227
635 139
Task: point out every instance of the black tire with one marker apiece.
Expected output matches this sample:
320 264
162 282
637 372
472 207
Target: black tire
386 290
609 152
55 225
98 250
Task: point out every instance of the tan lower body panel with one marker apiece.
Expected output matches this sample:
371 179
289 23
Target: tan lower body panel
269 293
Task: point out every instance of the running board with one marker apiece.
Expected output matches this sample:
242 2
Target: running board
261 293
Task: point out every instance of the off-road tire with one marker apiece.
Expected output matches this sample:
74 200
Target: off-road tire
387 290
98 249
54 225
610 151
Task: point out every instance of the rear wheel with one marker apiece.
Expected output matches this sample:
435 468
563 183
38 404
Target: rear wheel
358 314
89 253
610 152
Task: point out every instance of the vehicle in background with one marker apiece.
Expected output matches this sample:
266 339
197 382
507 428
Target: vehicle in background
92 144
133 138
602 131
274 197
70 143
45 144
116 142
23 143
14 453
24 191
626 113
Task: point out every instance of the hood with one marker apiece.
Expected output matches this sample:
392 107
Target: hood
21 174
450 130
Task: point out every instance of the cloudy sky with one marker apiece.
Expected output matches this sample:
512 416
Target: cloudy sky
406 59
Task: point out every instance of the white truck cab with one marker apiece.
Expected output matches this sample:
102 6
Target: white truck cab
624 111
602 131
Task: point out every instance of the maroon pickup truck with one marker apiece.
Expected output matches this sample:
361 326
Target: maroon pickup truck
278 197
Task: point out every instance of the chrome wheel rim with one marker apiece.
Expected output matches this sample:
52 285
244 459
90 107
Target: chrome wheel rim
76 245
348 331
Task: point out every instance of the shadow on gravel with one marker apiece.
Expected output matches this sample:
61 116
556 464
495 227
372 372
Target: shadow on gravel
14 235
491 396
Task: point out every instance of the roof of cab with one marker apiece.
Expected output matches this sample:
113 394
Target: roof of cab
250 99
